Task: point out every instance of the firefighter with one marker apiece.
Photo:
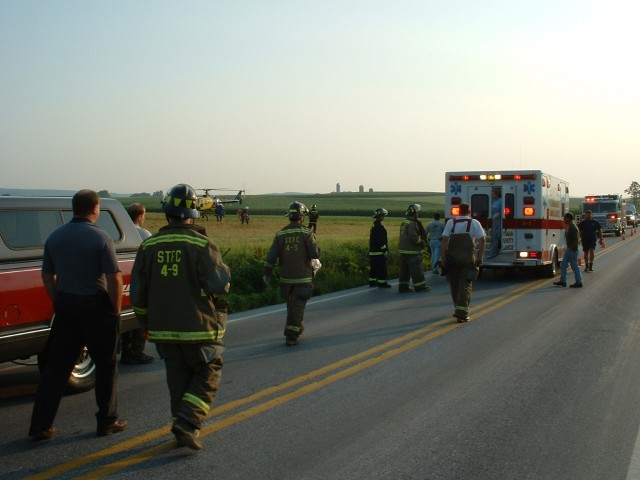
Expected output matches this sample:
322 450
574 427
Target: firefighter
463 243
378 251
296 250
313 218
174 279
413 240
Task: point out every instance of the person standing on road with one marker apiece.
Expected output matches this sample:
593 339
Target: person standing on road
175 277
413 240
313 218
378 251
82 278
463 242
590 232
133 342
570 257
434 235
296 250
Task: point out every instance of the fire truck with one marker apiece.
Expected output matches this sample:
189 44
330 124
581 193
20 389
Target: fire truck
532 206
608 210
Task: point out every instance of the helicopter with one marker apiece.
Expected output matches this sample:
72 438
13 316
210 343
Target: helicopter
207 202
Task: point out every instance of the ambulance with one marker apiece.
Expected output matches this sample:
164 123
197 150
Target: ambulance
531 204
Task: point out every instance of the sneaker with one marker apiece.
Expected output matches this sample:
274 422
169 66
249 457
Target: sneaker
136 359
116 426
560 284
39 435
575 285
187 438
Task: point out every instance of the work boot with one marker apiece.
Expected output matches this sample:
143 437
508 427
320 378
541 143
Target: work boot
292 341
405 289
424 288
575 285
384 285
591 267
186 437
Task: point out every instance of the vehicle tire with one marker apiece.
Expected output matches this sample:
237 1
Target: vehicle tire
83 376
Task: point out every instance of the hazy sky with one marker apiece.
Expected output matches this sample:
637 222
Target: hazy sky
274 96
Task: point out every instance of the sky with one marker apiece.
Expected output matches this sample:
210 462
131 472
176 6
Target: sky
297 96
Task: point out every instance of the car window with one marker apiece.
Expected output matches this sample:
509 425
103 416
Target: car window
28 228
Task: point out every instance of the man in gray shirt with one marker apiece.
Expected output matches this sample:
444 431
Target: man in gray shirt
82 278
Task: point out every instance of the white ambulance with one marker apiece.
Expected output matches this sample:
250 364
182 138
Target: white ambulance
529 207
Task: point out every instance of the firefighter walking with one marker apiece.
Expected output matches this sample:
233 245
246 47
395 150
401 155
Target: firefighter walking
176 273
413 240
463 243
295 248
378 251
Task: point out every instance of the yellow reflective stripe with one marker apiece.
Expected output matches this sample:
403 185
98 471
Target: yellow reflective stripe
292 230
376 253
200 336
140 310
296 280
193 400
410 252
175 238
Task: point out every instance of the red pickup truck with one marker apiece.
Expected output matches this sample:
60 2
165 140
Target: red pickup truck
26 311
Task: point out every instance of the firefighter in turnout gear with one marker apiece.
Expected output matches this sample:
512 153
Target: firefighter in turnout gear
413 240
175 277
463 243
295 248
313 218
378 251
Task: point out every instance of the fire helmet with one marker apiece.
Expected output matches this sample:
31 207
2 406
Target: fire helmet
413 210
380 212
181 202
297 210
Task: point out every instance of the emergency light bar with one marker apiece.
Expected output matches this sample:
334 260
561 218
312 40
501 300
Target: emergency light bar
492 177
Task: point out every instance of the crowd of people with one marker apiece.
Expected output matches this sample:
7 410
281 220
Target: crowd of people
178 277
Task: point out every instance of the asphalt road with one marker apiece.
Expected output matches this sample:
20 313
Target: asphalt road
543 383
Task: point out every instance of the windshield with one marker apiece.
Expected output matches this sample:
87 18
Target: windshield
600 207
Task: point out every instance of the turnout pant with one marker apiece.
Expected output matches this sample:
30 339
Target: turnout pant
411 268
296 296
461 277
193 375
377 269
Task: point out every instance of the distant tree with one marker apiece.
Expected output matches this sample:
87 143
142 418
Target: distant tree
104 194
140 194
634 191
159 193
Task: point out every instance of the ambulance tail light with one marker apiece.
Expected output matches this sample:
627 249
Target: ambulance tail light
455 211
529 254
528 211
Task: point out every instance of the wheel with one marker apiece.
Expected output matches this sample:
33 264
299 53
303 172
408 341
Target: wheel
83 376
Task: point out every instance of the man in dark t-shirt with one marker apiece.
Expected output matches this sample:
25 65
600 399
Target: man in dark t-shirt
590 231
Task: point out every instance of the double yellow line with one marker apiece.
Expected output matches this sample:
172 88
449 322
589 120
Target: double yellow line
277 395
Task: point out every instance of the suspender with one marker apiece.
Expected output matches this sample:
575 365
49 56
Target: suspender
460 220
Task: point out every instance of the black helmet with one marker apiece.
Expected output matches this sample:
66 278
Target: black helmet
380 212
412 210
297 210
181 202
